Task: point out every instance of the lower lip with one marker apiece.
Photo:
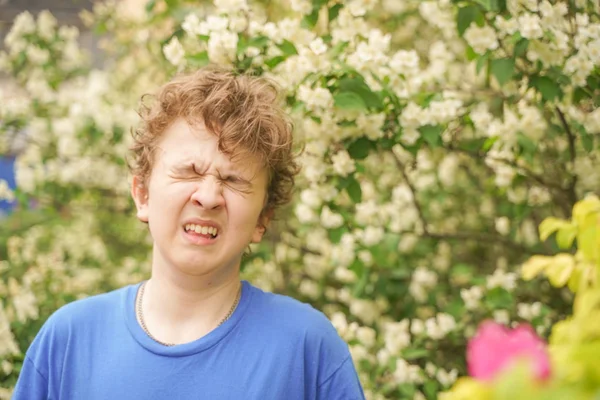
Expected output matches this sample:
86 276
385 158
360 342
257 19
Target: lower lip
197 239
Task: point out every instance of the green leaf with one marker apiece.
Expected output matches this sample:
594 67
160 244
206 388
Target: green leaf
565 237
338 49
354 191
482 62
408 390
171 4
360 148
349 101
414 354
358 86
587 140
310 20
335 235
466 16
549 89
273 62
431 389
288 48
503 69
150 6
487 4
470 54
498 298
528 145
551 225
259 41
521 47
489 142
432 134
199 59
334 11
498 5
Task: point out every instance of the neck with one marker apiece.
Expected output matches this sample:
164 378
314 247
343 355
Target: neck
181 311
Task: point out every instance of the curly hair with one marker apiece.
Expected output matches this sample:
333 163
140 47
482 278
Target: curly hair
241 110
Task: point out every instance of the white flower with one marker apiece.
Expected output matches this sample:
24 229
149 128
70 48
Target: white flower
315 98
305 214
366 335
422 280
406 373
23 24
366 310
446 322
343 164
231 6
222 46
331 220
481 39
371 236
405 62
500 278
529 311
37 55
68 33
502 317
446 378
447 169
192 26
301 6
309 288
46 24
507 26
8 345
417 327
214 23
318 46
502 225
396 336
529 26
174 52
344 274
471 297
5 192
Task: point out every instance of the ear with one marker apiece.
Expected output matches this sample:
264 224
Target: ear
139 193
261 227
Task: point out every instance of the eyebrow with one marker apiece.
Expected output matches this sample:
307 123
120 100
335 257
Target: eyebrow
220 173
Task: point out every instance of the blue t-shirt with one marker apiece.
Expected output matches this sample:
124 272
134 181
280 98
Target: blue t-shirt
272 347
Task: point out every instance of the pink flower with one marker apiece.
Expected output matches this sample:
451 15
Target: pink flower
495 347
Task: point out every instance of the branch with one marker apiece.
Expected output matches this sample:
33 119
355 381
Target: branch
414 195
481 237
572 153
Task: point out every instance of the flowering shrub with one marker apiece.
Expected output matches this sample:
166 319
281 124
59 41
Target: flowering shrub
438 134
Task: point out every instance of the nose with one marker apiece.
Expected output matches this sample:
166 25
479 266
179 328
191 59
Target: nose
208 193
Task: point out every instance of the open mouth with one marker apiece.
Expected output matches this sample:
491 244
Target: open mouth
209 232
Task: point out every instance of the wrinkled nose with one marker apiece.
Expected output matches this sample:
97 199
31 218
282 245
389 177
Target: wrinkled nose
208 194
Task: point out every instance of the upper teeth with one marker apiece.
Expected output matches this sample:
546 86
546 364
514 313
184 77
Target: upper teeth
201 229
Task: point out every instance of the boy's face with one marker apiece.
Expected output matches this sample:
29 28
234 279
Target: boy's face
192 189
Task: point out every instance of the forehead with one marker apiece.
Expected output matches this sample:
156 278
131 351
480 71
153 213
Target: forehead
182 144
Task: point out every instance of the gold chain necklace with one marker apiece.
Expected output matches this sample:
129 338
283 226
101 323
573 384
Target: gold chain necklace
140 314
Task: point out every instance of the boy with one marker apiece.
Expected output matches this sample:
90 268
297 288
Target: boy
212 161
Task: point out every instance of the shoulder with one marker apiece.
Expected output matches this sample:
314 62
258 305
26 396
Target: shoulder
73 323
294 321
84 313
285 311
296 325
